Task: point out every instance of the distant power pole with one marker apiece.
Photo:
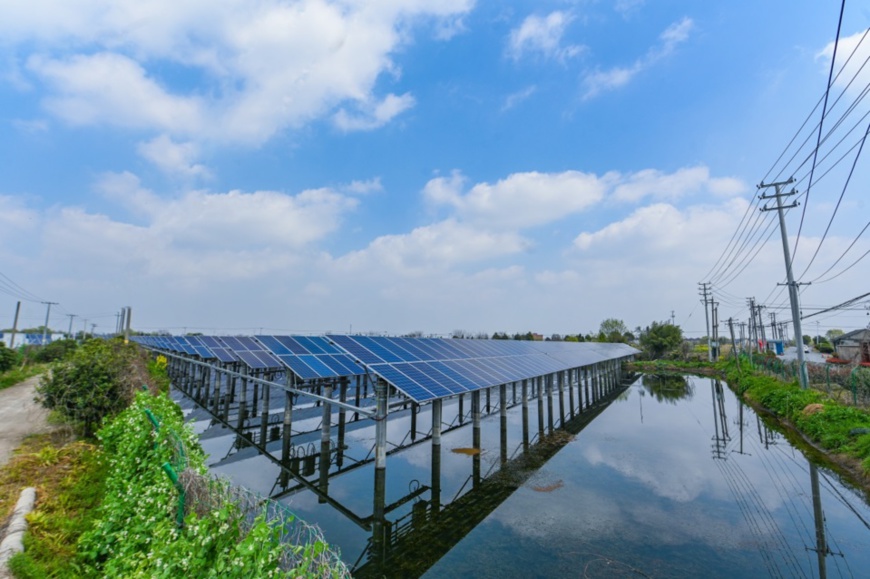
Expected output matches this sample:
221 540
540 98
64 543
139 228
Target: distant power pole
792 286
71 316
705 287
47 312
773 326
15 325
672 317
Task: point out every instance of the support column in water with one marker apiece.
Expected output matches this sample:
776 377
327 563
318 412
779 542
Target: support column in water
243 399
502 410
548 380
560 378
325 443
525 402
342 419
538 382
571 374
380 425
475 435
436 456
264 417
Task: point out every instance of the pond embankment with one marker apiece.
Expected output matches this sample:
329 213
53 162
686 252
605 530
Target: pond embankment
836 432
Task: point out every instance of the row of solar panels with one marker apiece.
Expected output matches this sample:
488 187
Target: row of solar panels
422 368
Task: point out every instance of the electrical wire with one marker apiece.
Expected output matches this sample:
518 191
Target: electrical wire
818 143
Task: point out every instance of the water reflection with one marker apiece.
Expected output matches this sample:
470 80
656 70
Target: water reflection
695 484
667 387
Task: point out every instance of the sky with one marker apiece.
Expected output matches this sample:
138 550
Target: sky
399 166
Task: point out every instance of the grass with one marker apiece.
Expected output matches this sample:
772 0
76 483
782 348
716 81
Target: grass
17 375
68 477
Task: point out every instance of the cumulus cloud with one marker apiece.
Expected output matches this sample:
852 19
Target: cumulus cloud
599 81
521 200
260 69
112 89
438 246
654 183
854 71
542 36
177 159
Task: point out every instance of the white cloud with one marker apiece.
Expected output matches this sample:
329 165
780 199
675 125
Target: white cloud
439 246
673 186
521 200
373 115
542 36
261 69
855 49
600 81
364 187
177 159
111 89
15 215
518 97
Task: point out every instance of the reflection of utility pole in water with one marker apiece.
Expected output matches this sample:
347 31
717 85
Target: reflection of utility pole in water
719 420
821 545
741 424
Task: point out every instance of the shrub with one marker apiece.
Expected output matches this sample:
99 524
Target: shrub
8 358
54 351
96 381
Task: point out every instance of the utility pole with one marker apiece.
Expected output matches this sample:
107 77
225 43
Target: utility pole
71 316
792 286
773 335
734 346
672 317
753 334
742 335
714 307
15 326
47 312
761 327
705 287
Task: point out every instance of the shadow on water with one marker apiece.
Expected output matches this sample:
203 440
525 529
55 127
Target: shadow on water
665 476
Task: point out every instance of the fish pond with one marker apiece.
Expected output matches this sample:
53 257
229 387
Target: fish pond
668 476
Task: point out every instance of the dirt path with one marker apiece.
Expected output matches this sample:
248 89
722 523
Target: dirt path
20 417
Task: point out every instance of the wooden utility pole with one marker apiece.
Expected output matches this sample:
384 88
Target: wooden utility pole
15 326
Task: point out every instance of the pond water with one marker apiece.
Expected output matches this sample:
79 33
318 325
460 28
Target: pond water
673 478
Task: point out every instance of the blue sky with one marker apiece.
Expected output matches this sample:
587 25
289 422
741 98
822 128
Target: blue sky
401 166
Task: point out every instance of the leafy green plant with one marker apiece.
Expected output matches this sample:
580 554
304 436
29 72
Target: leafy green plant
97 380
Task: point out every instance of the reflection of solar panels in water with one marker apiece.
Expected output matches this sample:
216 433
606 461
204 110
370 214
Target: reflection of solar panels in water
311 357
430 368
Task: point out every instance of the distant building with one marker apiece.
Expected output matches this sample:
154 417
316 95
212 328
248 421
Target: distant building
854 346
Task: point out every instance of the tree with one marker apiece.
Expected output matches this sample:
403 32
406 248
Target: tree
807 340
834 333
611 325
8 358
659 339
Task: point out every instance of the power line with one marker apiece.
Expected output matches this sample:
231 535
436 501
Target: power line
819 140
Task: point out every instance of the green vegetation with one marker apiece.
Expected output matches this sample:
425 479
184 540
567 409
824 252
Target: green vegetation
141 504
16 366
94 382
659 339
836 428
70 483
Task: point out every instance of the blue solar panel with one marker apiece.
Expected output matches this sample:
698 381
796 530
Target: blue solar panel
292 345
272 344
355 349
298 367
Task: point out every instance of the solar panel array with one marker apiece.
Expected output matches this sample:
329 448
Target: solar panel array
424 369
430 368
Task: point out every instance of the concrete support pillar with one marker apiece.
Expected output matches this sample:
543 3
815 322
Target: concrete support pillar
549 382
502 410
264 417
475 435
525 402
380 425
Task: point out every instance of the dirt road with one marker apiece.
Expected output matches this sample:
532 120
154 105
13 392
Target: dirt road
20 417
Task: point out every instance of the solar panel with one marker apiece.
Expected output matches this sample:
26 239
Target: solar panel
311 357
426 369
